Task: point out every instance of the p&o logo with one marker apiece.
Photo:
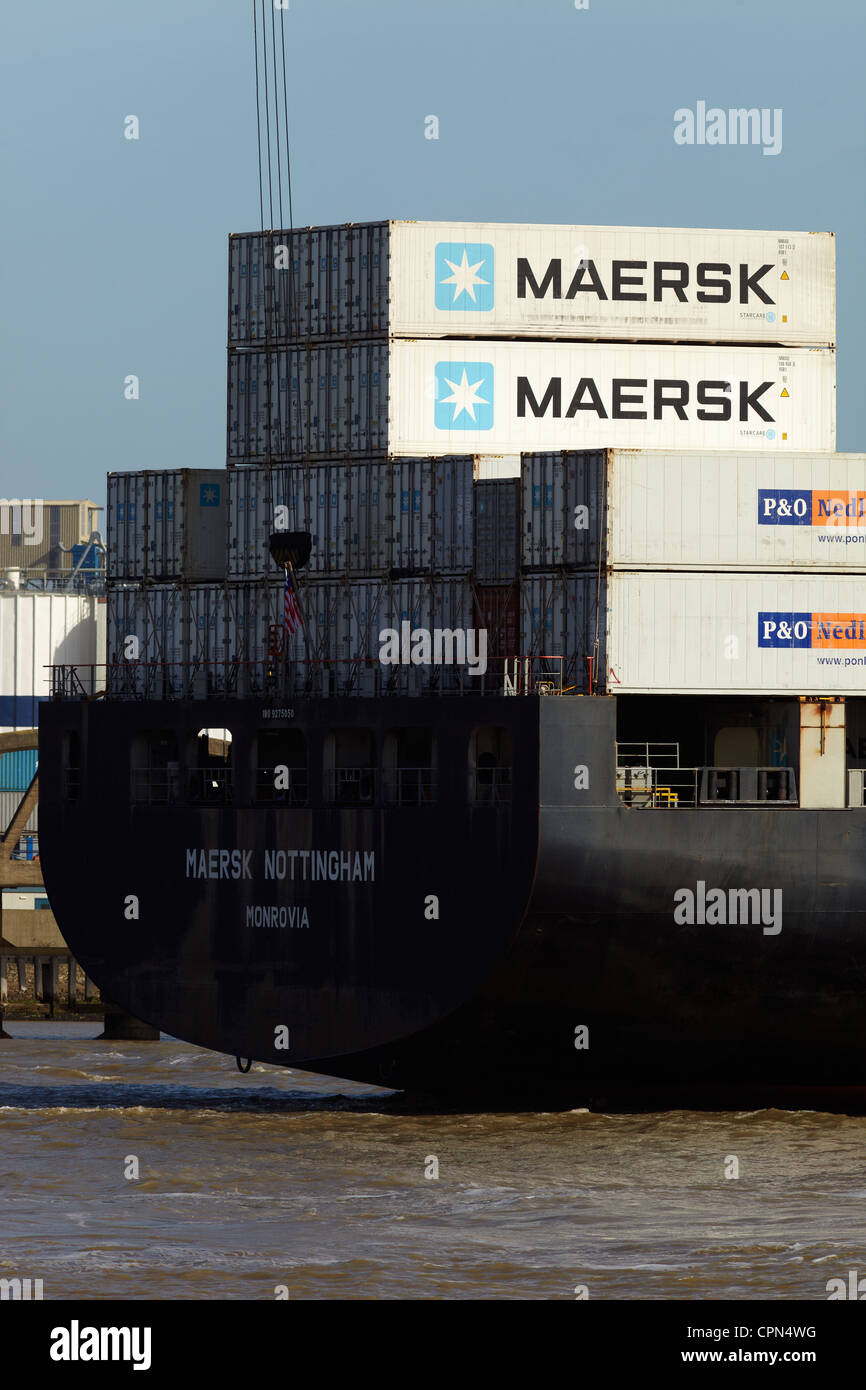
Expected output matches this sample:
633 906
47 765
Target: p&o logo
464 276
787 507
818 631
464 396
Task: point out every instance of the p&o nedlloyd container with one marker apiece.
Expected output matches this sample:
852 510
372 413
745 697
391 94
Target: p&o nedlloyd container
761 634
658 510
424 398
678 633
437 279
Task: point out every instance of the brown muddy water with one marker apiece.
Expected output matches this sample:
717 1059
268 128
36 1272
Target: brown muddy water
278 1178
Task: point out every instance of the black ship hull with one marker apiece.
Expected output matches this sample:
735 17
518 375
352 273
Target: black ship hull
475 946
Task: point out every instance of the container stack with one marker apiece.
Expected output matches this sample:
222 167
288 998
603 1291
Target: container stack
715 573
468 420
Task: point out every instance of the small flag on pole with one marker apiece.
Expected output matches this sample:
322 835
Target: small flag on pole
291 612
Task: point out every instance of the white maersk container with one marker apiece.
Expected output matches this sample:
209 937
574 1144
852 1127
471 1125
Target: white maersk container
437 279
167 524
735 634
484 397
38 630
658 510
429 399
366 517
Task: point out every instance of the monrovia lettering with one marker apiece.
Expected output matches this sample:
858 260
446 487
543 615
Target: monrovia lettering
628 401
627 281
275 916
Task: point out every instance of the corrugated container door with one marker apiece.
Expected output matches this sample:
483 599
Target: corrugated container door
369 529
324 401
452 505
127 526
331 282
202 496
165 525
497 531
562 503
370 278
497 611
559 627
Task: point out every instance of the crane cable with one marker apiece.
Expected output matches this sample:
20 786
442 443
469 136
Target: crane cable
268 96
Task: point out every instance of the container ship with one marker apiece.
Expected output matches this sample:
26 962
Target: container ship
493 725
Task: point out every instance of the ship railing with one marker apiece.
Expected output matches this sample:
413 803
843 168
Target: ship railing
409 786
647 755
672 788
281 786
209 784
352 786
81 581
665 787
748 786
153 786
73 682
280 679
491 785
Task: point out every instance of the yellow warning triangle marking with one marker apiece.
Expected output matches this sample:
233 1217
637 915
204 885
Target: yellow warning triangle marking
784 275
784 391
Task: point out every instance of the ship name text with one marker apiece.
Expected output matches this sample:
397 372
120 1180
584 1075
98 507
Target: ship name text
298 865
218 863
344 866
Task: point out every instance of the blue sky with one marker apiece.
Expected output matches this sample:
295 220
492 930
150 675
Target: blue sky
114 251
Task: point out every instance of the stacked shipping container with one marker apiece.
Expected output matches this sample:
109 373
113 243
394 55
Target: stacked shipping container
714 572
356 401
366 518
645 284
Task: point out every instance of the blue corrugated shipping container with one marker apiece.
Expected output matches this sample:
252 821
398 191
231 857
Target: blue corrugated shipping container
17 769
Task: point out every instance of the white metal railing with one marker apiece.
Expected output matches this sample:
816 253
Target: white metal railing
409 786
647 755
353 786
670 788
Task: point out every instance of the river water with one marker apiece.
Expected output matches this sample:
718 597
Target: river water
277 1179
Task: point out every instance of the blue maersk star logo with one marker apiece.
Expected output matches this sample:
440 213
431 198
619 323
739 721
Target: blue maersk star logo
208 494
464 396
464 276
